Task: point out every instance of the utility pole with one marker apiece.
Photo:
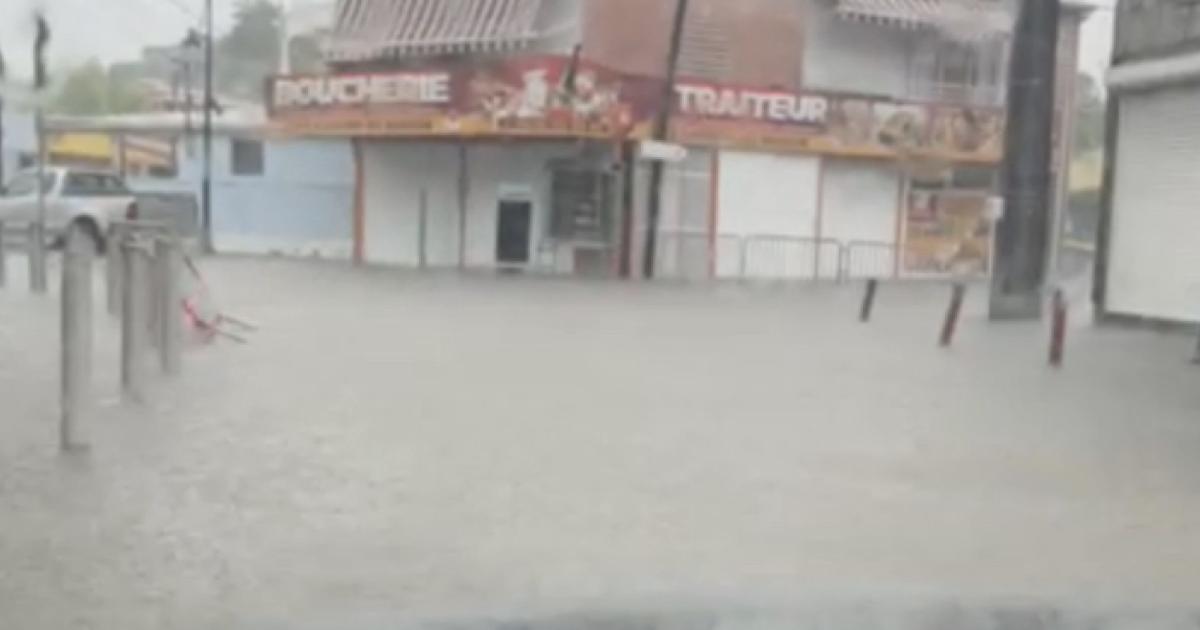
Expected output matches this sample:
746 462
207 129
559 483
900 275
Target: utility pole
662 124
37 258
3 77
285 52
206 184
1023 233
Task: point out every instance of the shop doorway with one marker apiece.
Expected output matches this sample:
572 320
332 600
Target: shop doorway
513 232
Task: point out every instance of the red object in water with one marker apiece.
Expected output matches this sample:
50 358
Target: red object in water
1058 329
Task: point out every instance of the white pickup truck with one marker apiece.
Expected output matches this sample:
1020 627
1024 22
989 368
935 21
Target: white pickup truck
90 198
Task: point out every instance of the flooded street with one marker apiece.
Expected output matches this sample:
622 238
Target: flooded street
392 446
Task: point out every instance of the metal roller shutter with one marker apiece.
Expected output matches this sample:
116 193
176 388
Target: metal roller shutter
1155 255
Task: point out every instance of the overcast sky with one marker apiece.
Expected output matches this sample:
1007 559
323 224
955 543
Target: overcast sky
114 30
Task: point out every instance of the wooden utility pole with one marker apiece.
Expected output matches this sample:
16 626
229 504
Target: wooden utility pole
662 125
1023 233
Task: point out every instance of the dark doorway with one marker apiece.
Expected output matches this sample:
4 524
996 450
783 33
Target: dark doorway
512 234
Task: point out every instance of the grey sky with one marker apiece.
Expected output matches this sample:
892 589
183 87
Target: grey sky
113 30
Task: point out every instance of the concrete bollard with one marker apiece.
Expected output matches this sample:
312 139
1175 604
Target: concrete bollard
169 259
37 258
114 267
76 360
1058 329
133 319
3 259
950 325
868 303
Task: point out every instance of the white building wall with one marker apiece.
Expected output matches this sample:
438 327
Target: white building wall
396 172
394 175
845 56
512 171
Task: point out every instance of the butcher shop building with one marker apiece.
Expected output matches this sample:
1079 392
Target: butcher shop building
808 138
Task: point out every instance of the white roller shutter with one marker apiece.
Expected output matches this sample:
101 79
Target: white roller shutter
1154 268
860 208
771 201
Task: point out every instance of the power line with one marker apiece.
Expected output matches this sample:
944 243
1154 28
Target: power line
179 4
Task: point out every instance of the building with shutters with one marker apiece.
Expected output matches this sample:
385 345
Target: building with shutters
1148 264
824 138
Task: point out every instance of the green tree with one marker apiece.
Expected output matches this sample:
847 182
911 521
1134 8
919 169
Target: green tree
249 52
91 89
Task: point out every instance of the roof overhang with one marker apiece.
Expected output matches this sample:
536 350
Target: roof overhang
960 19
380 29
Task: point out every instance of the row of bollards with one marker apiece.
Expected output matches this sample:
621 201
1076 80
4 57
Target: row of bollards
37 264
958 294
143 286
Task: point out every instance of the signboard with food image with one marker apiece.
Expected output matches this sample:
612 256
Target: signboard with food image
550 96
947 232
834 124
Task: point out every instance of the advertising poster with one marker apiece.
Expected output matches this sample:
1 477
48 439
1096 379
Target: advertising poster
947 233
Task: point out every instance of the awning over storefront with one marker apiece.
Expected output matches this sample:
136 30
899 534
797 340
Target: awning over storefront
378 29
959 19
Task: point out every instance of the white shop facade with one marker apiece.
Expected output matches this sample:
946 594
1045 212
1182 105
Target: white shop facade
533 163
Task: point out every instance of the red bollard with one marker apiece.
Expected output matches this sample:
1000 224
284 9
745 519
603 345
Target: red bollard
952 315
1058 329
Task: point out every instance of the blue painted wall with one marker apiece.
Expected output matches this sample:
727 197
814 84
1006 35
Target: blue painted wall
302 204
19 138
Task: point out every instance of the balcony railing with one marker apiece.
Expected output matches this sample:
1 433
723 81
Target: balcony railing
957 93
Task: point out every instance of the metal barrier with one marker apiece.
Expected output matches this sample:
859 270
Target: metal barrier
684 255
869 259
770 257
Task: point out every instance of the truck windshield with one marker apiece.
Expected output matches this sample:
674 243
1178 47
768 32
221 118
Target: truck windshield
93 185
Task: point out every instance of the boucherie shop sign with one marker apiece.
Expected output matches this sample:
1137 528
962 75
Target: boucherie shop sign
393 88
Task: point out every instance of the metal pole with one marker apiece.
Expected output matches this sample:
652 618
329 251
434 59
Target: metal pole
662 124
170 327
3 76
950 325
868 303
206 185
3 258
133 328
37 246
114 267
1058 329
76 367
423 230
464 183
